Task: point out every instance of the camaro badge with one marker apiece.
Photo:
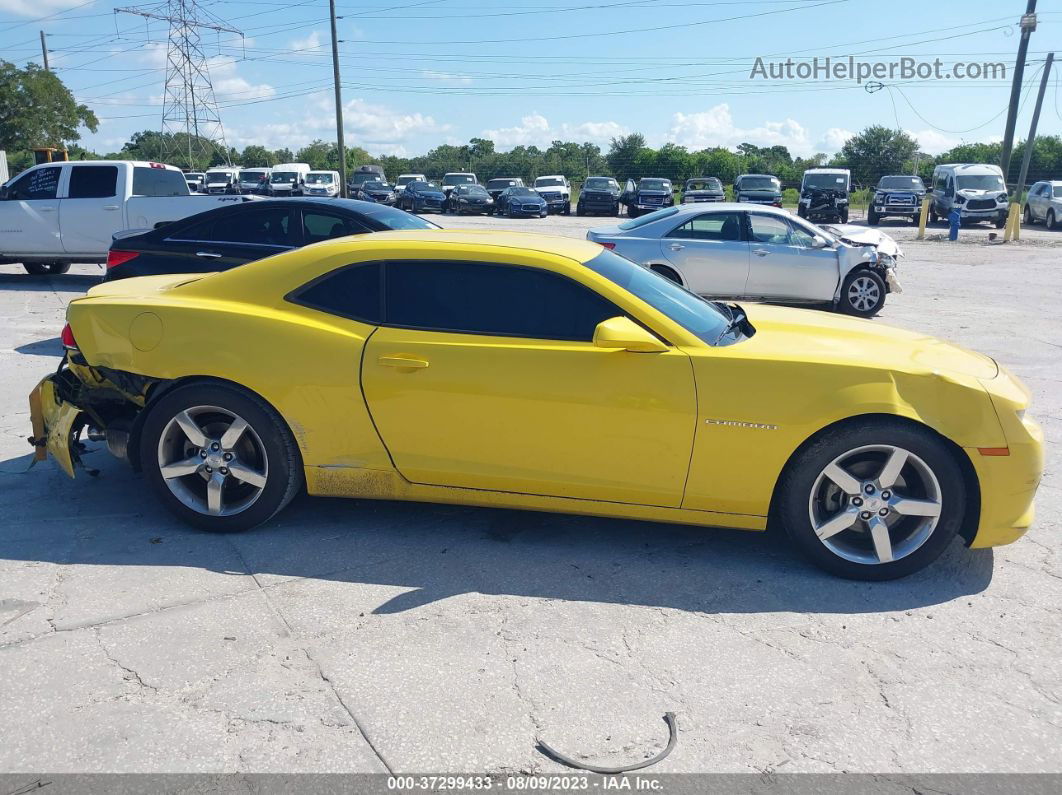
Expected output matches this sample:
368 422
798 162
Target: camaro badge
761 426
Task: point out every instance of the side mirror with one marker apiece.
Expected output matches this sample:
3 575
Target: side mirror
623 333
3 192
819 242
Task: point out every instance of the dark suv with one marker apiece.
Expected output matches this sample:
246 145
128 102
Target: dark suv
897 195
651 193
598 195
703 189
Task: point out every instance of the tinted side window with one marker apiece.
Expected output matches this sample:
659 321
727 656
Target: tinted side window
265 226
93 182
501 300
158 182
40 184
201 230
352 292
324 226
716 226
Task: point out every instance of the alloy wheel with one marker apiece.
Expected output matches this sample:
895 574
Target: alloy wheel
864 293
875 504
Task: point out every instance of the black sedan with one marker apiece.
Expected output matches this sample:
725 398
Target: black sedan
421 197
517 201
470 199
237 233
374 191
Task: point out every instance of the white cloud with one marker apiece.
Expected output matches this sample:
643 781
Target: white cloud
446 77
36 8
715 127
311 43
933 142
833 139
535 130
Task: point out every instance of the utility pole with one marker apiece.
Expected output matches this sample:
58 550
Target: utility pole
1030 142
1028 25
44 52
342 150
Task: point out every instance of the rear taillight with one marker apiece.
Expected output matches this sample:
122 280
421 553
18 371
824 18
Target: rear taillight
67 338
609 246
116 257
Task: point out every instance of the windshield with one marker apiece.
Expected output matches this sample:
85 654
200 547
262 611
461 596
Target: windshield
600 183
688 310
901 183
518 191
218 176
472 190
319 179
418 185
375 186
704 184
358 177
194 175
823 181
403 181
459 179
396 219
501 183
549 182
1058 191
654 184
758 183
980 182
283 177
642 220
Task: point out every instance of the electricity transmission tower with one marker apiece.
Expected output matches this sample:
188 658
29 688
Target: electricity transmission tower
191 123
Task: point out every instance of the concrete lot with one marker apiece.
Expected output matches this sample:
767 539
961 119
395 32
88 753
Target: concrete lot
364 636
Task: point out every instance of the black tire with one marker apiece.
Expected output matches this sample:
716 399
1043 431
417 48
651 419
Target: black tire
844 216
916 218
1000 223
35 268
508 211
55 268
284 463
1028 216
933 217
579 210
851 304
1050 221
568 208
797 487
616 211
632 213
872 217
801 211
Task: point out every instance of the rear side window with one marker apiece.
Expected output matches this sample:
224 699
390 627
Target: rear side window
715 226
353 292
158 182
265 226
325 226
93 182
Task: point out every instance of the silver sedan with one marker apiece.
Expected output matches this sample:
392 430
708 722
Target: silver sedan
761 253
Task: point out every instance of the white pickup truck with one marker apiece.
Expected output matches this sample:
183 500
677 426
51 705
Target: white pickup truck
54 214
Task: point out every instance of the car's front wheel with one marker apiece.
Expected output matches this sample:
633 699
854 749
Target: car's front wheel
873 501
863 294
1050 222
218 457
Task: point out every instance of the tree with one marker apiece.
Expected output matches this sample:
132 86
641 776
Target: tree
878 151
255 156
36 109
623 154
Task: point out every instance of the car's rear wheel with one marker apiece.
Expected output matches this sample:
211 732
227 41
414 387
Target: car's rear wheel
863 294
1028 216
873 501
872 217
218 457
1050 221
46 268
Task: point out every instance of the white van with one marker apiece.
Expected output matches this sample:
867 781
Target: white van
255 180
405 179
222 179
977 190
321 183
287 179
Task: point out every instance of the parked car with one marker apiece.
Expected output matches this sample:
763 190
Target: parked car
976 190
1044 203
557 191
195 181
54 214
498 184
254 180
455 178
517 201
222 180
897 195
703 189
287 179
732 251
543 373
650 193
758 189
374 191
824 194
367 173
229 236
321 183
470 199
421 197
405 179
599 195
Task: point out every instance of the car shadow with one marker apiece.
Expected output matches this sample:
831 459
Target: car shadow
435 552
49 347
49 282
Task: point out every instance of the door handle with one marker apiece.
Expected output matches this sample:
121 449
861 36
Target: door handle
207 254
403 362
110 207
676 247
760 252
46 209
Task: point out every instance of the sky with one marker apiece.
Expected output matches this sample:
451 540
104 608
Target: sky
419 73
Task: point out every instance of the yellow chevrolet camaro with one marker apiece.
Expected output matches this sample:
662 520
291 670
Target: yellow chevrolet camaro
526 371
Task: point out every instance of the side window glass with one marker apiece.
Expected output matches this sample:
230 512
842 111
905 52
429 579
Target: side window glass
768 229
799 236
715 226
40 184
498 300
324 226
264 226
202 230
149 181
353 292
93 182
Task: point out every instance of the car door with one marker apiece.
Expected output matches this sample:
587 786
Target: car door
1038 200
485 376
225 240
784 265
91 210
29 214
629 194
711 253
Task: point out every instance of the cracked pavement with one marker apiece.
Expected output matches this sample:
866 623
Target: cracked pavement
352 635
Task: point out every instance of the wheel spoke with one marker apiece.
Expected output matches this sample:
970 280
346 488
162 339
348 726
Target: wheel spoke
909 507
891 471
879 534
214 486
233 434
247 475
178 469
847 483
837 523
191 430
